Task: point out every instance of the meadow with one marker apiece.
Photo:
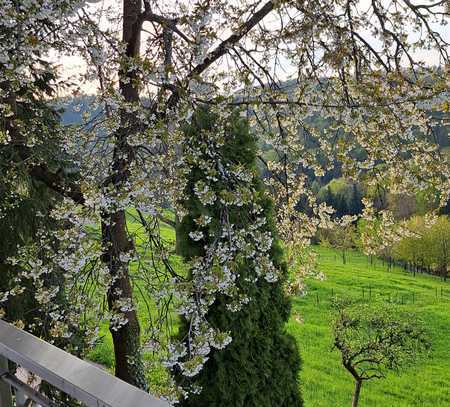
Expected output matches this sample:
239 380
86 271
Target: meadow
324 382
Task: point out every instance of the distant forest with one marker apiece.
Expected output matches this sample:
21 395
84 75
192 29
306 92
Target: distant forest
343 195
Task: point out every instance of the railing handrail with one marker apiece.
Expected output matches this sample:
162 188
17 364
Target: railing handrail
75 377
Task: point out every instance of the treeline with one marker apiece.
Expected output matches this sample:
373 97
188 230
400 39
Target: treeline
423 247
343 196
426 248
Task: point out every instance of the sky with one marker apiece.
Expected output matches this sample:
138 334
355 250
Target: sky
71 66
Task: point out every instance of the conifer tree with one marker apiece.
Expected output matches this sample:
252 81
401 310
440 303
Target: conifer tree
355 204
259 368
25 206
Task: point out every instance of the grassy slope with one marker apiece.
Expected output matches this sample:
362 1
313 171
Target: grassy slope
324 382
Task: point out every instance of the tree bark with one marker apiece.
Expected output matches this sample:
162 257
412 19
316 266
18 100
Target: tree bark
177 235
358 384
126 337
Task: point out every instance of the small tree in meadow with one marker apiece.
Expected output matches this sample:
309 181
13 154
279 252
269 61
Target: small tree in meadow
375 339
341 237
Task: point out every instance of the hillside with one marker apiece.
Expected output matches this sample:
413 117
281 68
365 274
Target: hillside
73 110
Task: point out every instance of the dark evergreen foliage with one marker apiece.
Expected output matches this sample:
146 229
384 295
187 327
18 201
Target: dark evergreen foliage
21 199
25 205
261 365
345 201
355 205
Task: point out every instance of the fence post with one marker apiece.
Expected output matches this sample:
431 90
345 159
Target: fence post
5 388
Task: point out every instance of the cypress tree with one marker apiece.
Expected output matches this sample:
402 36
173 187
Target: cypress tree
260 367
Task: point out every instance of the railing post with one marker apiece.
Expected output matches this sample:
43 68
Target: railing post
5 388
21 398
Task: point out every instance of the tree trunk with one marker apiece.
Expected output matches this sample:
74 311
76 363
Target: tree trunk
126 336
358 384
177 235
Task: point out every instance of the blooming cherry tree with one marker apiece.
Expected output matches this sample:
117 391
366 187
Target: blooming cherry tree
355 64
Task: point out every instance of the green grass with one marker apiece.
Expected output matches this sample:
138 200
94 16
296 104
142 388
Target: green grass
103 352
324 381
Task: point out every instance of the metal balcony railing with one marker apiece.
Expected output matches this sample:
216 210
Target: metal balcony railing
79 379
